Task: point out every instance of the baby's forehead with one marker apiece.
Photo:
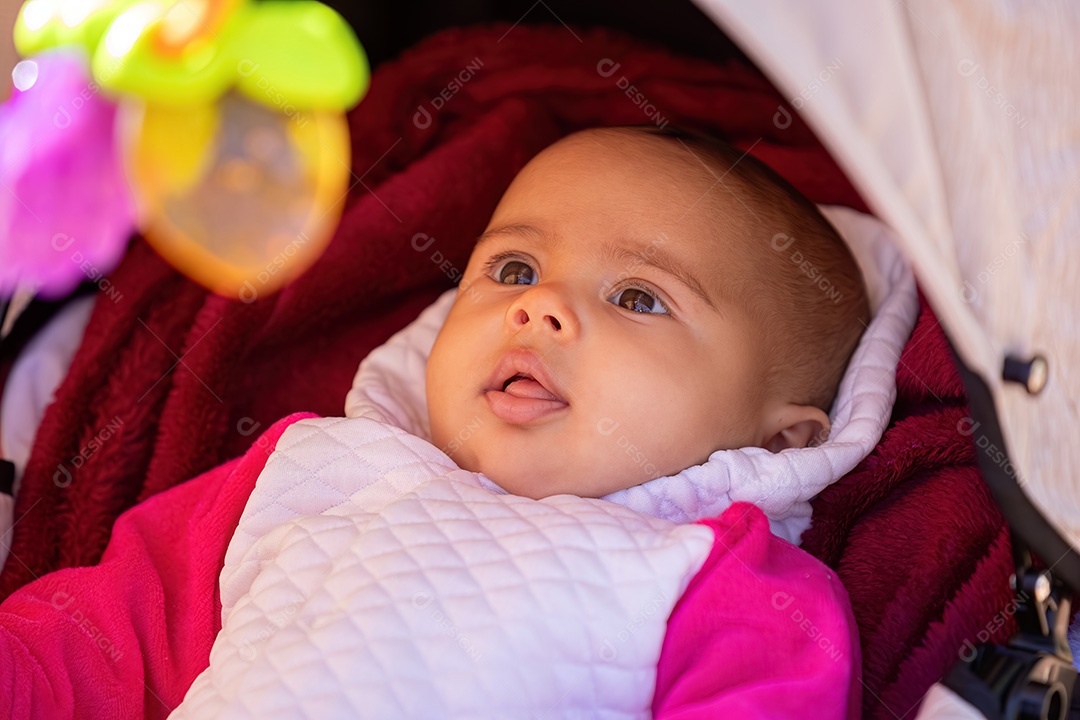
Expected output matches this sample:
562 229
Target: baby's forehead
646 189
639 185
612 164
662 167
630 143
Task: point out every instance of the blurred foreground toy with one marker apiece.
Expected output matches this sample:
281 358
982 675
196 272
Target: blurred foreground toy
67 213
225 117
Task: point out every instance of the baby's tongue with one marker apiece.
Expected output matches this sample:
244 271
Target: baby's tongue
529 388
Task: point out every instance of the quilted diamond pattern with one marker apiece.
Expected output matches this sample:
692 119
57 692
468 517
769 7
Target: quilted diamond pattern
370 577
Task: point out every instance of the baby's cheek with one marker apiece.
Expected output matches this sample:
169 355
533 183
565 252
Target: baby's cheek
440 412
438 435
681 428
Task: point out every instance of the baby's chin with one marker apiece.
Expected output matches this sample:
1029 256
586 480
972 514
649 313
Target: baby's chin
567 480
534 471
516 481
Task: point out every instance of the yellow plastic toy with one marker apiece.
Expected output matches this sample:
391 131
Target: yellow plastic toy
231 123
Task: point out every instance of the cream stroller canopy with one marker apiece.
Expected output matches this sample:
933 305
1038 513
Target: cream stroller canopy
957 121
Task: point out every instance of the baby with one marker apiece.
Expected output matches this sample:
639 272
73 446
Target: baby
660 282
345 567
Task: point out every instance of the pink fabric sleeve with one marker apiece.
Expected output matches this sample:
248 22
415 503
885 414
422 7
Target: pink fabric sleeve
764 630
127 637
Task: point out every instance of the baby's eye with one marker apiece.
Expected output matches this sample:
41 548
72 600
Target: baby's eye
640 300
512 272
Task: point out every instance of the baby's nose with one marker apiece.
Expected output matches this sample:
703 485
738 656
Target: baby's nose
524 319
543 309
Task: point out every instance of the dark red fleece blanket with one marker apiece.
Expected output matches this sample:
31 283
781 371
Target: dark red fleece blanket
170 381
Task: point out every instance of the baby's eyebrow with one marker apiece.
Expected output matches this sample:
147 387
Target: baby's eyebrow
526 231
656 257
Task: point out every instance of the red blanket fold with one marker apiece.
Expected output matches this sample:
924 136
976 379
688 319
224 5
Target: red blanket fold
171 381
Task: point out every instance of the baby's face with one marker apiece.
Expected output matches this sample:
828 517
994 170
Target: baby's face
600 276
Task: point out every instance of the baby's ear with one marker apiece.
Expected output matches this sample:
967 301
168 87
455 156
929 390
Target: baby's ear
795 426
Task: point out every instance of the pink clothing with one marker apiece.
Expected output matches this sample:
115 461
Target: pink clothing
764 630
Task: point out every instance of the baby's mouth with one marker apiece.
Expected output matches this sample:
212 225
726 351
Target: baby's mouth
521 391
525 386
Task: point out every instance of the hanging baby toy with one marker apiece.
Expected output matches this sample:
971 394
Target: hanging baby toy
216 128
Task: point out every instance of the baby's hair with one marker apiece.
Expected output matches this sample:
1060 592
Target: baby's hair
810 295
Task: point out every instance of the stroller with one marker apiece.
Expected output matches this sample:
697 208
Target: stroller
944 154
954 113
